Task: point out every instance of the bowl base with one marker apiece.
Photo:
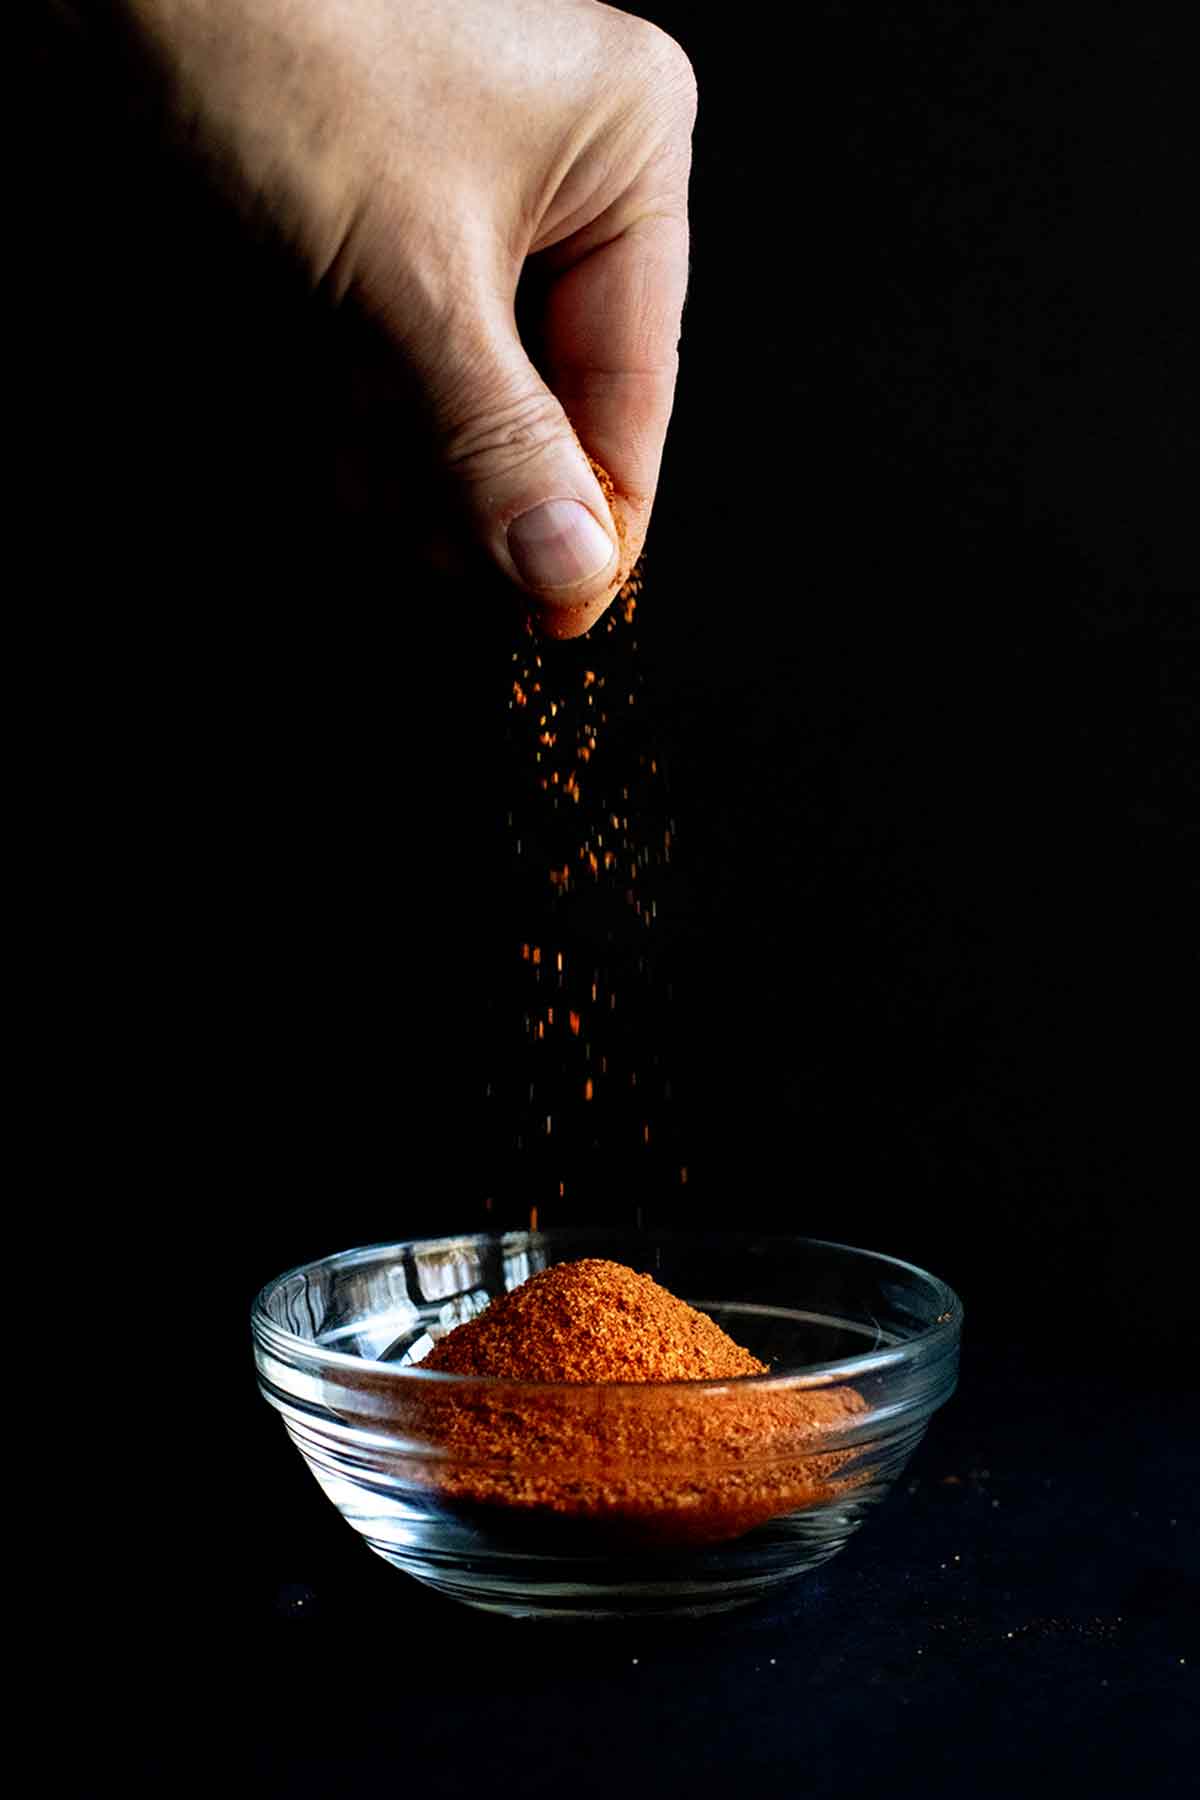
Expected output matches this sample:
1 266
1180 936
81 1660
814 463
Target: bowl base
676 1588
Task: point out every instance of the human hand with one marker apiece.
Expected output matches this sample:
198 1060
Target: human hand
418 156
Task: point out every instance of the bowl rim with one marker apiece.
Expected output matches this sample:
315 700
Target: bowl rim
936 1340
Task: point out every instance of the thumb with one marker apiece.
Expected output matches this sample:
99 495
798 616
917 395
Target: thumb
528 490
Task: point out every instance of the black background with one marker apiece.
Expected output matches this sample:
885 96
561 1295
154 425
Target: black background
918 651
919 656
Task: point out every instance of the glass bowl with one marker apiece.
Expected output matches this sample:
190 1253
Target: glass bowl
608 1499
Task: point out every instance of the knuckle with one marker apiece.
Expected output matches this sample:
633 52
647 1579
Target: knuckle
504 436
666 66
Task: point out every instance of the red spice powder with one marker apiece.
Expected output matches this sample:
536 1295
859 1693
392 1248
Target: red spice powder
624 1446
608 488
592 1321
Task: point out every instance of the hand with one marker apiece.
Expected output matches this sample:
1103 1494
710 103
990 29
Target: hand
419 156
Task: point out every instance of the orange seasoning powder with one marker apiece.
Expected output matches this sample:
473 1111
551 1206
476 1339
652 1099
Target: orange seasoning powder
609 1442
608 488
592 1321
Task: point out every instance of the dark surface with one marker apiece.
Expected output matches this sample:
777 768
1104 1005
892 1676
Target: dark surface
919 656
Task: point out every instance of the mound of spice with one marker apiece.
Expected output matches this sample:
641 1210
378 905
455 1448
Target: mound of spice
616 1439
592 1321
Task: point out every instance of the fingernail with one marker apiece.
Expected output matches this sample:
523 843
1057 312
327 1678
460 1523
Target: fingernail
558 543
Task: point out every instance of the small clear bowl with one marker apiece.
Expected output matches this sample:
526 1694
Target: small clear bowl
608 1499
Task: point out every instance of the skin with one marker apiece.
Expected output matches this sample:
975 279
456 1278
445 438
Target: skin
421 157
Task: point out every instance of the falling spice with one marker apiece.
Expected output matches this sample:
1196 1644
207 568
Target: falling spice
616 1425
589 841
